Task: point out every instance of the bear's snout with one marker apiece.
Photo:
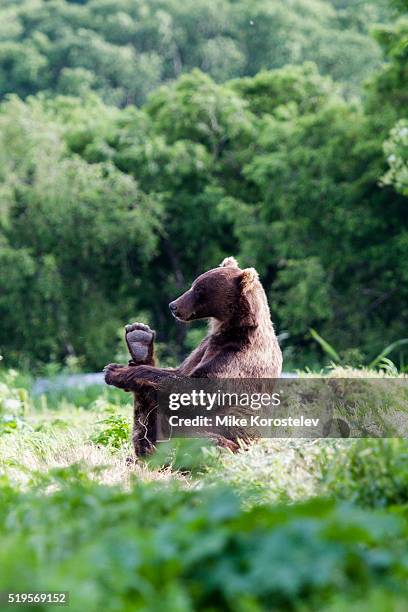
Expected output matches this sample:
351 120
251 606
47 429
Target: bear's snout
173 308
183 307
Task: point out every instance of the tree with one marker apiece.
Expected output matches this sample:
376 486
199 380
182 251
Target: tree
69 231
123 207
124 49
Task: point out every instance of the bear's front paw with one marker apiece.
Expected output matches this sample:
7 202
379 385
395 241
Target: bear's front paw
140 339
111 371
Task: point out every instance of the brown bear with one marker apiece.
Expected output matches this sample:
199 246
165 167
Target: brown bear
241 343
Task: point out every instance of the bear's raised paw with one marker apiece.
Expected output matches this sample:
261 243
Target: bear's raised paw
140 339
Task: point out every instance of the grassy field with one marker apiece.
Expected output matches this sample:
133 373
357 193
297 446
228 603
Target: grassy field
283 524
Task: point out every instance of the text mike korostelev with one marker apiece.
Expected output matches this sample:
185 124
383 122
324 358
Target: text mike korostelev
213 401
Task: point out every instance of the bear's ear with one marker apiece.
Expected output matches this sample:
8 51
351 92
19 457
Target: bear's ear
248 278
229 262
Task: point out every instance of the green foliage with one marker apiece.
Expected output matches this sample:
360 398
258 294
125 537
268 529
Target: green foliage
284 470
193 544
68 231
115 433
328 349
304 294
370 473
353 357
300 85
401 5
123 207
193 455
14 403
387 91
123 50
85 397
386 351
189 550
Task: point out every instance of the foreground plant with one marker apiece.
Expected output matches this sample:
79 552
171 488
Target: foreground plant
184 549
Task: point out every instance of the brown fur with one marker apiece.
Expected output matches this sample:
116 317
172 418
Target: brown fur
241 343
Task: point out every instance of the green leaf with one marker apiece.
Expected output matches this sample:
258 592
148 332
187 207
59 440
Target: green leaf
325 346
388 349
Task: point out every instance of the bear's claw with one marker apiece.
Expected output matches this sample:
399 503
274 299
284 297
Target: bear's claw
109 372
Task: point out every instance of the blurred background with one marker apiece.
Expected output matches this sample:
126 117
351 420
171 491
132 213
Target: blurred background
143 141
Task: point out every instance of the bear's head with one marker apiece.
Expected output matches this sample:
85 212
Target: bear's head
226 293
